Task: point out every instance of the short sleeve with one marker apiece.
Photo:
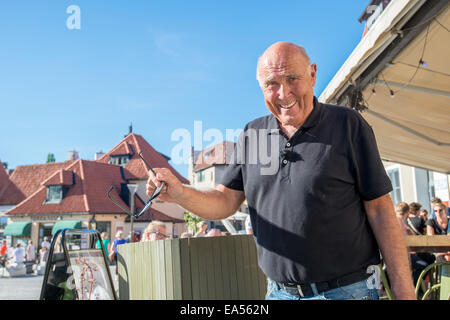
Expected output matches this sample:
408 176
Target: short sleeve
231 177
370 176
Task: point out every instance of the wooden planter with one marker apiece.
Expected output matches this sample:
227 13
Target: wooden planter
195 268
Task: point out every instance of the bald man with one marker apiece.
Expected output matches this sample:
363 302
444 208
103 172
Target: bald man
321 219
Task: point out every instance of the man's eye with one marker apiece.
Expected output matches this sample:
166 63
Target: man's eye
292 78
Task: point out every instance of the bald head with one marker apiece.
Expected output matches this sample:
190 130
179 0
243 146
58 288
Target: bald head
279 52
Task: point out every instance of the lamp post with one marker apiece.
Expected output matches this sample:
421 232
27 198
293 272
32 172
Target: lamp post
132 188
93 223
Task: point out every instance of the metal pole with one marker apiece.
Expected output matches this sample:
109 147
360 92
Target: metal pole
132 188
132 219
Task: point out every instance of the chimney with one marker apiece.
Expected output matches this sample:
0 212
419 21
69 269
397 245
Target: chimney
98 155
72 155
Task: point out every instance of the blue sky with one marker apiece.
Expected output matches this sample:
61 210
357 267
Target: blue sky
160 65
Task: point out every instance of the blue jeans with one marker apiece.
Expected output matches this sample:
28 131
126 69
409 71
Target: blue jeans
355 291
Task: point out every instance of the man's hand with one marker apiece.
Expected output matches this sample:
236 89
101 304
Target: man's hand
173 189
212 204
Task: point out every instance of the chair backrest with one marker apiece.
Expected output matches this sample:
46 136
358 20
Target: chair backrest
438 280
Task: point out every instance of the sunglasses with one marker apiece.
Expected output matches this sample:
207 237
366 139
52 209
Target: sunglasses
156 192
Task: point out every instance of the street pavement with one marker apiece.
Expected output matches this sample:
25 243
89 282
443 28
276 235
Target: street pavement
27 287
21 288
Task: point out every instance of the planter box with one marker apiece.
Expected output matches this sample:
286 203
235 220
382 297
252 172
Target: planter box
193 268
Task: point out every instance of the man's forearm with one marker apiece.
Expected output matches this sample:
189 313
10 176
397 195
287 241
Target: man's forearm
393 249
209 204
391 242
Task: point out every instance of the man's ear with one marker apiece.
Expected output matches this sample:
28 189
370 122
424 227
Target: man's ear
313 73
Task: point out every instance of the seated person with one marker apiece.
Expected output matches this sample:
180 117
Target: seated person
414 222
439 226
435 201
419 260
402 212
424 214
19 254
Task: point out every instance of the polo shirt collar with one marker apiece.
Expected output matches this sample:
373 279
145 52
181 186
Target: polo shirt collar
312 120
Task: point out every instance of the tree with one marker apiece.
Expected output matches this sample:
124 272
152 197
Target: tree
191 221
50 158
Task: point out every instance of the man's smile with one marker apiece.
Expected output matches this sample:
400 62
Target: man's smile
288 106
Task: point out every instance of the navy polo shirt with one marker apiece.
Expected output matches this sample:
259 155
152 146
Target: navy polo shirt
308 216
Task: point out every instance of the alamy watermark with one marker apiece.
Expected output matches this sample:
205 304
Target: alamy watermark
374 281
74 20
254 147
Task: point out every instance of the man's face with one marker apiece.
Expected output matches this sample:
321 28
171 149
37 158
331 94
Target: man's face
287 82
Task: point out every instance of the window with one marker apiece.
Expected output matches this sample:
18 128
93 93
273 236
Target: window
119 160
54 194
200 176
3 222
395 194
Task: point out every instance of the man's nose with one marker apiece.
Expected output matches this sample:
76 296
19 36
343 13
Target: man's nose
283 91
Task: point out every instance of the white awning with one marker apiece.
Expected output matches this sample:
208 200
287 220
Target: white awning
413 127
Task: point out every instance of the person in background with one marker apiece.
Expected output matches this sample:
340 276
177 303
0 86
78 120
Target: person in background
424 214
420 260
414 222
202 226
31 252
156 230
45 243
4 248
439 226
435 201
214 233
3 251
117 242
148 230
402 212
159 231
19 254
43 253
106 243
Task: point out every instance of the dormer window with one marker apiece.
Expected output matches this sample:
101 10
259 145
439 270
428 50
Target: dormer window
54 194
119 160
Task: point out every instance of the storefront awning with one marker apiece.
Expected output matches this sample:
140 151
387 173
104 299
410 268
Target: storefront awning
18 229
69 224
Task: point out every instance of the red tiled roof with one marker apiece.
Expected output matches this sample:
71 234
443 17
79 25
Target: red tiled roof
64 177
4 179
217 154
87 194
26 180
136 168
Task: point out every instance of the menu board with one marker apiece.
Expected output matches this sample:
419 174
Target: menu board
90 275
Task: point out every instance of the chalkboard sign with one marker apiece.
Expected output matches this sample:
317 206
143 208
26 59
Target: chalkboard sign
76 269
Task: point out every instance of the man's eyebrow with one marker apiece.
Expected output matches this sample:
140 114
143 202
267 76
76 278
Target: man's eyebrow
292 75
267 80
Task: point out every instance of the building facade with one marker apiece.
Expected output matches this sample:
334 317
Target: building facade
40 199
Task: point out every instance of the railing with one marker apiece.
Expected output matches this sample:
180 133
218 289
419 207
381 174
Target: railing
192 268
